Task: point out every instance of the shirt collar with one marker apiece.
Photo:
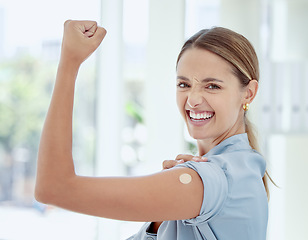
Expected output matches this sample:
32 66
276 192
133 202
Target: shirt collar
231 144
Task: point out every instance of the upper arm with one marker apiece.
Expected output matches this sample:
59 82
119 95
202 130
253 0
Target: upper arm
157 197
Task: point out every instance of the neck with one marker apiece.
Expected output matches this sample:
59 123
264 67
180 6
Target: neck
205 145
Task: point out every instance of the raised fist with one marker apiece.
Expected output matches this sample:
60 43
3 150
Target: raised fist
80 40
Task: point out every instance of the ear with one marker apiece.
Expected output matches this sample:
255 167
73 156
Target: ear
251 91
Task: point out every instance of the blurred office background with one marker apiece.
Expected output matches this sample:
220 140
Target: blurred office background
125 118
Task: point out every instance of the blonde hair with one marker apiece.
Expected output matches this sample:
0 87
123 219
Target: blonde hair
239 52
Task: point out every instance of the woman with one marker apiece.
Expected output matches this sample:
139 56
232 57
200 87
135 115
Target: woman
222 198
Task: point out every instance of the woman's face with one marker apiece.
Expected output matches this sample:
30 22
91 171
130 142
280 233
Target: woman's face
209 96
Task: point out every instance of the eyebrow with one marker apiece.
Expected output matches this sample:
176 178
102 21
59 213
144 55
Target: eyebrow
203 80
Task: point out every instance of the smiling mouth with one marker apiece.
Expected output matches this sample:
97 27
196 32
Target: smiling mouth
200 116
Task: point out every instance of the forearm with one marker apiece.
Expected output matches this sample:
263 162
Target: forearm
55 163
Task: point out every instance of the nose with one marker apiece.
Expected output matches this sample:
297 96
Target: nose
195 99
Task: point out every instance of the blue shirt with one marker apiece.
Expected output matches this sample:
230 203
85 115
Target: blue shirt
234 204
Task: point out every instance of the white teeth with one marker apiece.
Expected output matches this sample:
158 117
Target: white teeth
199 116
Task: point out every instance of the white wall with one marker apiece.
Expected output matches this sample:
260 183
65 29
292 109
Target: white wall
288 203
110 111
164 123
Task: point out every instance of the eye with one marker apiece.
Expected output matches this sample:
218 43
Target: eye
213 86
182 85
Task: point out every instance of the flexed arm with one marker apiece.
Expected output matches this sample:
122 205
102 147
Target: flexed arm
55 161
156 197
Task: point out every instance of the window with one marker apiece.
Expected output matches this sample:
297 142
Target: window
29 52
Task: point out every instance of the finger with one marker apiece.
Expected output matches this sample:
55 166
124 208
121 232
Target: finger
199 159
171 163
87 28
100 34
168 164
89 33
185 157
90 28
67 22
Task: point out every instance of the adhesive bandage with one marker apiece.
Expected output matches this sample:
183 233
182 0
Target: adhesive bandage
185 178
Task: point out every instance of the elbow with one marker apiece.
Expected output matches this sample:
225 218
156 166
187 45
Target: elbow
52 192
38 195
43 194
51 185
47 192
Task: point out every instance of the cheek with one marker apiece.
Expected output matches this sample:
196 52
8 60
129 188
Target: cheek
180 101
227 108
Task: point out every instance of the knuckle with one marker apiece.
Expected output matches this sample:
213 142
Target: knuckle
67 22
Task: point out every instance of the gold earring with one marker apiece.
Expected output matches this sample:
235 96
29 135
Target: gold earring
246 107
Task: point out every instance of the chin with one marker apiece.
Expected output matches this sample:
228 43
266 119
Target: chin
198 135
203 134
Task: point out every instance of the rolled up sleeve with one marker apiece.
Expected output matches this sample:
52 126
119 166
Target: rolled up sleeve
215 190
